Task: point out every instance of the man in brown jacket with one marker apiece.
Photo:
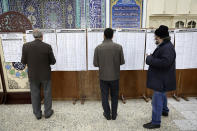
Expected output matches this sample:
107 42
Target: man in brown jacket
108 56
39 56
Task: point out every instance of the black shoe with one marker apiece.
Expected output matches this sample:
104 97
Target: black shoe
107 117
48 116
38 118
114 117
151 126
164 113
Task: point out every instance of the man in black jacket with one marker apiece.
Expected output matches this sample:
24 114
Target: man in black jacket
39 56
161 75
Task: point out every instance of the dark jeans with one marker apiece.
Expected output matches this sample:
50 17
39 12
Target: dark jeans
35 87
159 105
113 87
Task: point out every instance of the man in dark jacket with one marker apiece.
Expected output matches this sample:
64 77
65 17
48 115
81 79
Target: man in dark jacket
39 56
161 75
108 56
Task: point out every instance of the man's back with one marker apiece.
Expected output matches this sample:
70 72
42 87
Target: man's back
38 56
108 57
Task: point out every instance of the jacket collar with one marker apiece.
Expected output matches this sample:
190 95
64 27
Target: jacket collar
107 40
37 40
165 40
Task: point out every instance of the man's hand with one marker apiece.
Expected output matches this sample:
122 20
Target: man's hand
148 52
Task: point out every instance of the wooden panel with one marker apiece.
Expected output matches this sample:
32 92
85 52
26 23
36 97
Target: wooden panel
1 97
178 82
89 85
132 83
18 98
70 85
188 82
64 85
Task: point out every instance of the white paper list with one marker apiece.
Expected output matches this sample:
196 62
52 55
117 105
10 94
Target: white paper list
194 50
185 46
150 46
94 39
50 38
133 44
12 46
71 51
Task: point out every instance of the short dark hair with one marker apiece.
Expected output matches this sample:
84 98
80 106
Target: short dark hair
108 33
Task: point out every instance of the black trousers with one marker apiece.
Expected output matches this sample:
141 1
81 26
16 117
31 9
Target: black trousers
113 87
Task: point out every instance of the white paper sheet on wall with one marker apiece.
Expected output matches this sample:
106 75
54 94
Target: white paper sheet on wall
95 37
179 47
29 36
49 37
172 35
12 46
133 44
186 49
150 45
115 36
194 50
71 50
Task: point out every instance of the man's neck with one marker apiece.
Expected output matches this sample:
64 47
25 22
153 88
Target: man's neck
38 39
108 39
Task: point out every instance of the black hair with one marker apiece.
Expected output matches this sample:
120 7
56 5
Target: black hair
108 33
